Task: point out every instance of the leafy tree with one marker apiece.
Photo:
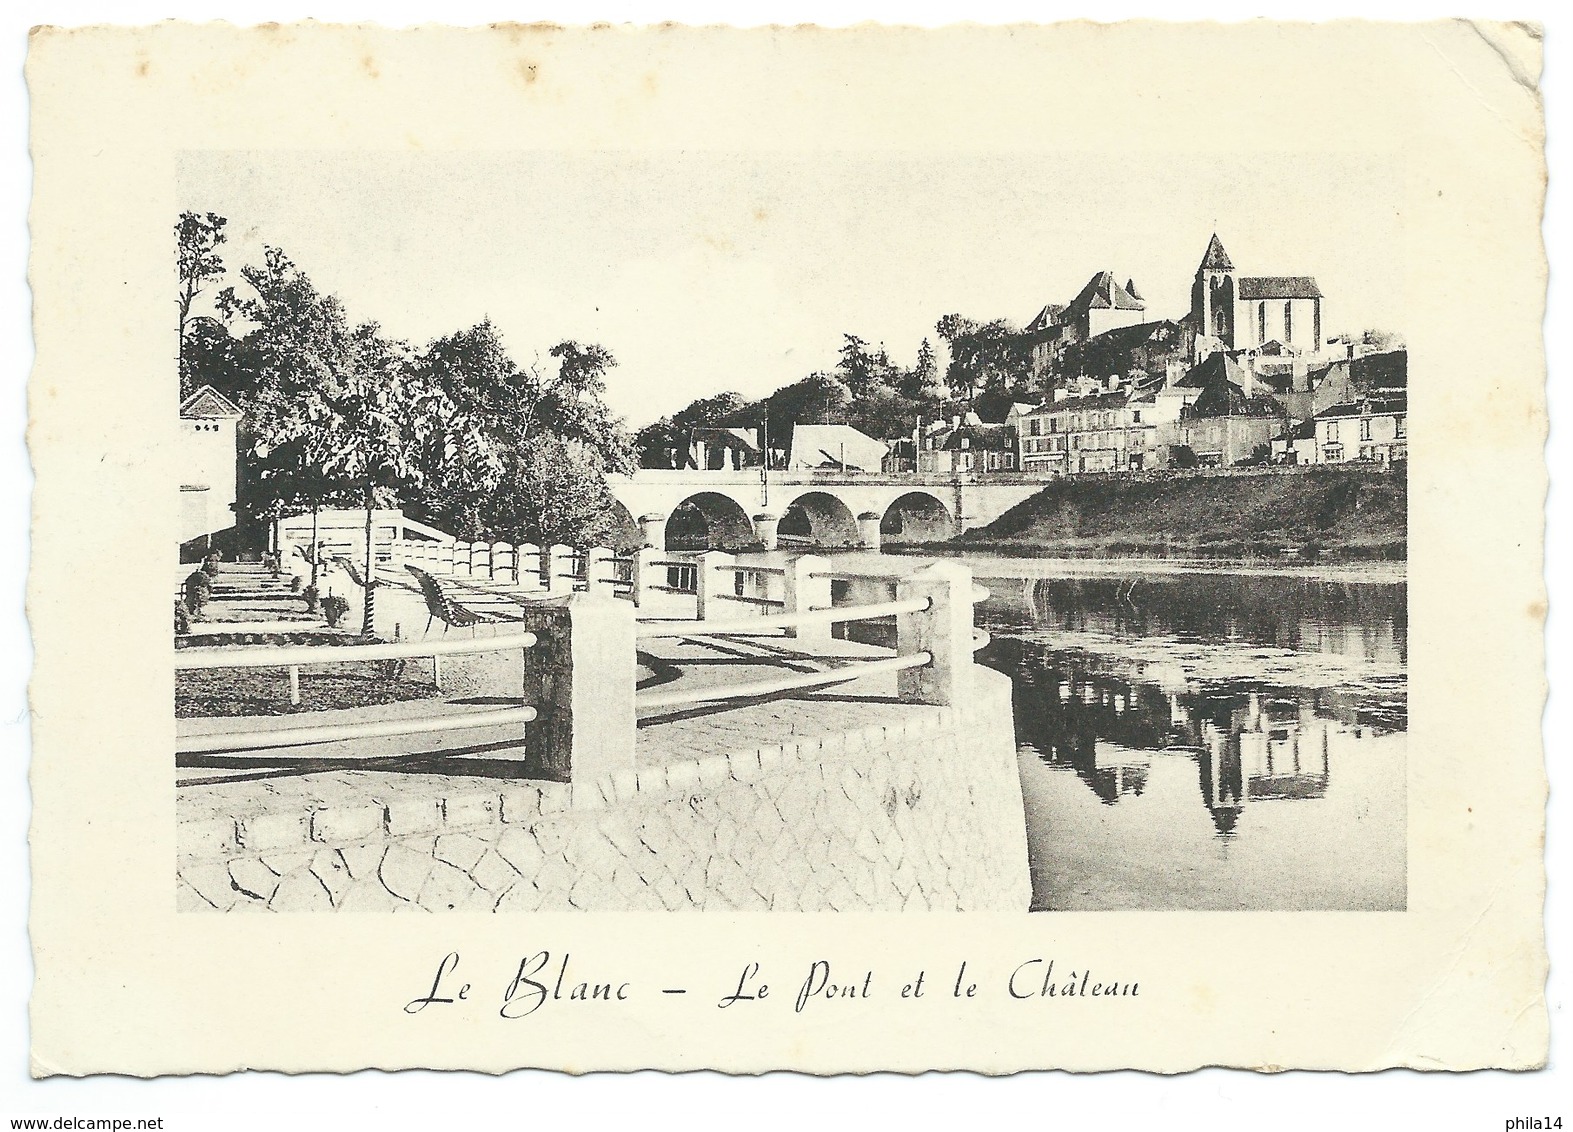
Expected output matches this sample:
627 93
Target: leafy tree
984 356
555 492
197 262
861 369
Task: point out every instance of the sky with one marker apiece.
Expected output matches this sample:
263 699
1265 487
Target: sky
706 271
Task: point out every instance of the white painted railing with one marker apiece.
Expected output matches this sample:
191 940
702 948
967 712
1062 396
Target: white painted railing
580 700
294 657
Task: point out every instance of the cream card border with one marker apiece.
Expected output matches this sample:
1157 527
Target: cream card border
125 985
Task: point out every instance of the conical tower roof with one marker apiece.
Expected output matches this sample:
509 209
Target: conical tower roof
1216 258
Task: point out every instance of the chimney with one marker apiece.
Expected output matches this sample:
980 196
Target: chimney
1059 393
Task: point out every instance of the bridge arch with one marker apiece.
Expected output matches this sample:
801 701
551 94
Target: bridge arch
917 516
822 517
708 520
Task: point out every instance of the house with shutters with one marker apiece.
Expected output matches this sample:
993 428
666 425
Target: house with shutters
1374 429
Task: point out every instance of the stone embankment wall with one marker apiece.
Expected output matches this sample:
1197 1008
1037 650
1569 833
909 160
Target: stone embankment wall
924 814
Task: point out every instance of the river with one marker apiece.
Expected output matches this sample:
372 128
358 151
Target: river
1220 739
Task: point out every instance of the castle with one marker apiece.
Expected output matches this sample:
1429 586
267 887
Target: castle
1273 323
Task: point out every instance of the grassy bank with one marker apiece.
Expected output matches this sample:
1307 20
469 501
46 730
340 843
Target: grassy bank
1336 514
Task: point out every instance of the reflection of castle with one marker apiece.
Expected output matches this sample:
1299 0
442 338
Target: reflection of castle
1250 747
1260 758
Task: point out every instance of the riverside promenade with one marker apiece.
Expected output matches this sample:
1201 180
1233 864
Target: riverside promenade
836 797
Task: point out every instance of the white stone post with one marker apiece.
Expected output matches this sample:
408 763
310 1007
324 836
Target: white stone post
806 587
505 563
766 527
600 572
580 679
559 568
445 559
714 576
527 566
652 530
944 630
647 575
481 559
868 529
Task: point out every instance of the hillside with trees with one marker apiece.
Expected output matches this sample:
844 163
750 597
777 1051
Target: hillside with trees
989 366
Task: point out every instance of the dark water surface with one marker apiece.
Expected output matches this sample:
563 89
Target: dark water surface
1208 741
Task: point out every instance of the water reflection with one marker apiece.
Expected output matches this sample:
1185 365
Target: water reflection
1285 699
1305 614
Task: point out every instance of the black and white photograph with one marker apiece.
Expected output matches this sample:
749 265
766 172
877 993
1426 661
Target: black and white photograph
708 556
952 538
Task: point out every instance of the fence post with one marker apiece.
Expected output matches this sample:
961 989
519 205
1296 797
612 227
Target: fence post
446 556
806 588
505 564
646 575
527 566
713 577
581 680
944 630
481 559
558 566
600 572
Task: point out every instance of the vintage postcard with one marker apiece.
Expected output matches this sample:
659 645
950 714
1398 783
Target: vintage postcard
881 549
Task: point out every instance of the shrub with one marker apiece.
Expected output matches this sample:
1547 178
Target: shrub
270 560
295 583
1182 456
334 607
182 617
197 589
310 594
210 565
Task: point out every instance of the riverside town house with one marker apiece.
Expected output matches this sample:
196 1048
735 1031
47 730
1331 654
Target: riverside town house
1371 429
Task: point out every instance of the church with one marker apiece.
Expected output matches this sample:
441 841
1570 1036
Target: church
1248 312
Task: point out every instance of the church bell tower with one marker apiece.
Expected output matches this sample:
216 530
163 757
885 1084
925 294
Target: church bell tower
1212 295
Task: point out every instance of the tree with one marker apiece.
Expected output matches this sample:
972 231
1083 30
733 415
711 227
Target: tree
197 262
556 492
863 370
367 434
984 356
922 382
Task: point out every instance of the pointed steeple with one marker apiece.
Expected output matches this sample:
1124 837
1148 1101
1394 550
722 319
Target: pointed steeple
1130 289
1216 258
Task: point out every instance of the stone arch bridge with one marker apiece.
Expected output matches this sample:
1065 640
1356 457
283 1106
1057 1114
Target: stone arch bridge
690 509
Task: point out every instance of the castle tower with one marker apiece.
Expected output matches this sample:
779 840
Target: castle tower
1212 294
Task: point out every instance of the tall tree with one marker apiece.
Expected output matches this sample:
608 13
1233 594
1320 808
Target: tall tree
984 356
197 262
